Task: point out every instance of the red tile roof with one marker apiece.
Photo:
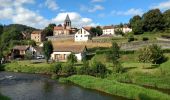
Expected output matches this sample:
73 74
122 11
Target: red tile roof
73 48
23 47
37 32
58 28
108 27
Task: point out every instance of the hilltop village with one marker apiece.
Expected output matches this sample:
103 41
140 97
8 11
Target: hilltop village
130 61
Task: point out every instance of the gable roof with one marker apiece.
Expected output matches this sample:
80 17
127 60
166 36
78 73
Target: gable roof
37 32
73 48
58 28
67 18
108 27
23 47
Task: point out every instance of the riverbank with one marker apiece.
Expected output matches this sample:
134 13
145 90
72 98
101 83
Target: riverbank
29 67
2 97
116 88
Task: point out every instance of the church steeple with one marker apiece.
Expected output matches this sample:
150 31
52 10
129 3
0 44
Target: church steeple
67 22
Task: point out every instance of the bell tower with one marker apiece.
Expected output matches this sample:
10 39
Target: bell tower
67 22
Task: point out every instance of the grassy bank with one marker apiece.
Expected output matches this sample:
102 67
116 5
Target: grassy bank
2 97
116 88
29 67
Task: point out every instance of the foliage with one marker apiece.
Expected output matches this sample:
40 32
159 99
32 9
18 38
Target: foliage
145 39
131 38
2 97
1 29
129 91
98 69
48 31
119 32
72 59
58 68
85 69
28 55
166 18
97 31
151 54
48 49
29 67
68 69
153 20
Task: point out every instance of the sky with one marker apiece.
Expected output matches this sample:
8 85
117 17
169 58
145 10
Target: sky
39 13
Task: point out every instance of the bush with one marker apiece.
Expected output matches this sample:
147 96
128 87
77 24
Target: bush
145 39
58 68
98 69
85 69
131 38
151 54
72 58
68 69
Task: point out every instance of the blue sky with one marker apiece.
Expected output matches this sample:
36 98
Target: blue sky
39 13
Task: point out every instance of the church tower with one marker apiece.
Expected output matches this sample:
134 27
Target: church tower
67 22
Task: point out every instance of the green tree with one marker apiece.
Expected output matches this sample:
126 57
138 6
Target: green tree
68 69
28 55
98 69
166 17
58 68
137 25
153 20
48 49
114 56
96 31
119 31
1 30
72 58
85 69
48 31
151 54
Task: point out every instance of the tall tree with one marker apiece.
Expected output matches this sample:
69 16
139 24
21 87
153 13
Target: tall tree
1 29
48 31
166 17
153 20
134 19
96 31
48 49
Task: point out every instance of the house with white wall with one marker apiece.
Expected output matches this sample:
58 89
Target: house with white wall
108 30
126 29
83 35
60 53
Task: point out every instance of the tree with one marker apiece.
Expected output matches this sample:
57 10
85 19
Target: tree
98 69
58 68
48 49
151 54
28 55
68 69
72 58
96 31
137 25
48 31
85 69
114 56
1 30
166 17
153 20
119 31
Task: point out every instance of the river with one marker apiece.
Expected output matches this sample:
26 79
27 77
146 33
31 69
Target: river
21 86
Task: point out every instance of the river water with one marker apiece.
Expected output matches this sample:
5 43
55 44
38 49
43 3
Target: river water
20 86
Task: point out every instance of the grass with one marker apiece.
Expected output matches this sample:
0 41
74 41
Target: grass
2 97
116 88
29 67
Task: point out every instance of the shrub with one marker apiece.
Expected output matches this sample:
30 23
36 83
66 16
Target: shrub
98 69
68 69
85 69
72 58
145 39
28 55
58 68
117 67
151 54
131 38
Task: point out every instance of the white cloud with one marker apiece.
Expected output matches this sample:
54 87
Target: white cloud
97 0
95 8
163 5
76 18
129 12
51 4
22 15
